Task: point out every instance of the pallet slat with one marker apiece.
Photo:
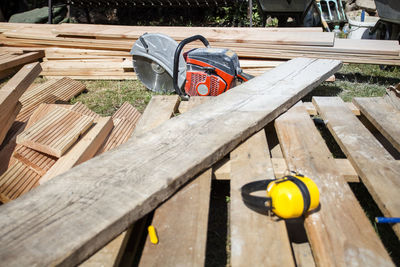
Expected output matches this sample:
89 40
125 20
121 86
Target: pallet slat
249 229
383 115
339 232
370 159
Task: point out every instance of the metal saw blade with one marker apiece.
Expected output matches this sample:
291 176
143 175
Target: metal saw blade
153 76
153 60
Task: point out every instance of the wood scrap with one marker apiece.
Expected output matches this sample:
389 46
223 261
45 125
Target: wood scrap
217 127
15 60
56 132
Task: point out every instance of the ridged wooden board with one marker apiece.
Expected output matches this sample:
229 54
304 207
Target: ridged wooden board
339 232
377 168
16 181
36 160
55 132
127 112
124 119
48 92
84 110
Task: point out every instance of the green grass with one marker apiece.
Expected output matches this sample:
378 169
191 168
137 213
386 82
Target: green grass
105 97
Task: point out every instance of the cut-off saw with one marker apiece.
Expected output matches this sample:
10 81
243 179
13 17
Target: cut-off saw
162 67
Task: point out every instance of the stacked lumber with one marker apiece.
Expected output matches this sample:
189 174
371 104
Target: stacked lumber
83 51
11 62
58 137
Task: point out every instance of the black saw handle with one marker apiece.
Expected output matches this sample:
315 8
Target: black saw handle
178 51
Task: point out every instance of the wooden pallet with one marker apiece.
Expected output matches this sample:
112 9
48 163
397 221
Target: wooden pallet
303 149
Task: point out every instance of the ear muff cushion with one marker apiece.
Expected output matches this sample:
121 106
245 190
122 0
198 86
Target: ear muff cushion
304 191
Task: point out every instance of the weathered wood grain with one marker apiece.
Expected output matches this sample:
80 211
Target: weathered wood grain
377 168
339 232
56 132
130 181
251 231
383 115
159 110
190 248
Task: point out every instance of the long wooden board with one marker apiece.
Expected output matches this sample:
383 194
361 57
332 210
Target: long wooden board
377 168
129 182
159 110
190 248
383 115
339 232
256 239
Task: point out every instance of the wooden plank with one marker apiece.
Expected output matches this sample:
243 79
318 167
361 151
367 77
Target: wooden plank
344 167
367 155
56 132
159 104
313 111
339 232
188 249
159 110
12 91
383 115
83 150
135 183
251 231
222 169
20 60
190 218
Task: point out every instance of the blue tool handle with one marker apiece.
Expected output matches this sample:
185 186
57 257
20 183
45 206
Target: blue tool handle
362 15
387 220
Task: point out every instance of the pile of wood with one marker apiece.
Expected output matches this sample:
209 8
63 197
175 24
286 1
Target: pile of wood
40 139
102 51
58 137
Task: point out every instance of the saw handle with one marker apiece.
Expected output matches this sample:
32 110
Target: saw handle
178 51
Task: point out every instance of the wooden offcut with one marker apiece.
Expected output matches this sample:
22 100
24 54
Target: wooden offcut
145 171
55 132
16 60
377 168
339 232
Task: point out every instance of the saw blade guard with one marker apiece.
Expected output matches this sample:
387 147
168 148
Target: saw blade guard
153 61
